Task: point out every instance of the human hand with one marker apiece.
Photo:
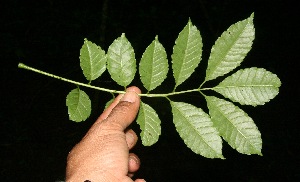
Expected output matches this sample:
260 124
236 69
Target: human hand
103 153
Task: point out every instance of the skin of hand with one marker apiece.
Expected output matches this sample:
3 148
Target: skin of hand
103 154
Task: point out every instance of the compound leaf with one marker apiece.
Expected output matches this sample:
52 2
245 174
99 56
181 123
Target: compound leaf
251 86
153 65
92 60
187 53
196 129
230 49
235 126
149 123
79 105
121 63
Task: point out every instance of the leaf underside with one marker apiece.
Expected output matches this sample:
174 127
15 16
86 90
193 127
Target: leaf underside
149 123
92 60
196 129
79 105
235 126
121 63
153 65
187 53
230 49
251 86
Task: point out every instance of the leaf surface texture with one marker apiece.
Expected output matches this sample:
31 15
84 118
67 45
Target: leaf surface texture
251 86
235 126
121 63
92 60
149 123
230 49
79 105
153 65
187 53
196 129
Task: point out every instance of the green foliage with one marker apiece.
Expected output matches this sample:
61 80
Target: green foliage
153 65
149 123
121 63
79 105
196 129
201 132
230 49
235 126
251 86
186 53
92 60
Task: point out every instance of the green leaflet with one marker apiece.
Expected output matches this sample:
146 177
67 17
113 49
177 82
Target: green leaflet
230 49
92 60
121 63
235 126
196 129
251 86
149 123
154 65
187 53
79 105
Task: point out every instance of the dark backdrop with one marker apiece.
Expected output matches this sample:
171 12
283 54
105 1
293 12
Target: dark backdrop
36 134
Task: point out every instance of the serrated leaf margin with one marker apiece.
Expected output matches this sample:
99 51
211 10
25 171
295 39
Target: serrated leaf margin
79 105
208 142
149 123
250 86
230 49
235 126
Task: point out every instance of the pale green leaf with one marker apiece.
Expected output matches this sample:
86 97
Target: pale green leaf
149 123
92 60
153 65
187 53
230 49
121 63
251 86
79 105
235 126
196 129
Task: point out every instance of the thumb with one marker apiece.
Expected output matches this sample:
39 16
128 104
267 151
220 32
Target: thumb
125 111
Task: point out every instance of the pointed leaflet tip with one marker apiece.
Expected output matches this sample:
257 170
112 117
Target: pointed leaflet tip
187 53
196 129
250 86
235 126
121 62
153 67
92 60
230 49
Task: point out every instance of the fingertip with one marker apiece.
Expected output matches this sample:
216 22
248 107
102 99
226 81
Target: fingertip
131 95
131 138
134 89
133 163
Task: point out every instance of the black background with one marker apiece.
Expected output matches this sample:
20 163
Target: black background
36 134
